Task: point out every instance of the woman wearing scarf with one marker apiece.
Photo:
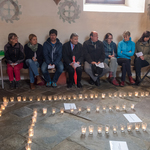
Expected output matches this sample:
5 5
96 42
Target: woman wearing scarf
33 59
143 47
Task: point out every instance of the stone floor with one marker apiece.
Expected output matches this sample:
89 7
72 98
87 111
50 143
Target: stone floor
63 132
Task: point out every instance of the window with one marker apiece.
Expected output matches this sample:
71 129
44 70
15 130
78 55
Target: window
106 1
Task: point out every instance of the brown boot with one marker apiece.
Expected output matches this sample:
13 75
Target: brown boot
38 79
32 86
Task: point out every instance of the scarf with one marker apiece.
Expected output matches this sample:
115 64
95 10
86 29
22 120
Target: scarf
33 47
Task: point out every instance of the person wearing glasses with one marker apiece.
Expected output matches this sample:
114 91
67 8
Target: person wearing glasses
14 55
110 57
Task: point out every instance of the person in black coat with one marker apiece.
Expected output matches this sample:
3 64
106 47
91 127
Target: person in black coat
70 49
33 59
94 54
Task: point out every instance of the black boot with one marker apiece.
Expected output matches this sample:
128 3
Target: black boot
12 85
17 84
79 85
138 80
97 82
91 81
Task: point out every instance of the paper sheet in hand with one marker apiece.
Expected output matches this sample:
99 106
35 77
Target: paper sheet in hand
101 65
68 106
76 65
139 54
118 145
51 67
132 118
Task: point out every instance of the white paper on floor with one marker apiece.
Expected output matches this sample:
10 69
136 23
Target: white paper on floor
118 145
132 118
69 106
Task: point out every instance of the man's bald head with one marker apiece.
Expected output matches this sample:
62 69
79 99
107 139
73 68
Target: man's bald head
94 36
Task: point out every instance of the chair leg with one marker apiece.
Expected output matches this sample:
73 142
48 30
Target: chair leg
145 76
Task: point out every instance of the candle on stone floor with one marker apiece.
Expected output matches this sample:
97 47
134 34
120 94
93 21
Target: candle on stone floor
28 147
30 128
130 94
110 107
115 128
19 98
124 107
144 126
53 111
74 97
60 97
104 108
110 95
132 106
124 94
86 96
96 96
137 126
50 98
12 99
117 107
64 97
120 95
122 127
72 110
69 97
31 98
24 98
91 129
55 98
4 98
38 98
29 140
44 98
80 96
2 107
31 133
44 111
107 128
99 129
142 94
83 130
115 94
91 96
88 109
5 103
129 127
136 94
97 108
146 93
103 95
61 110
33 119
79 109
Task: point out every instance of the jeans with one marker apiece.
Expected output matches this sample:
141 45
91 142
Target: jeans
126 67
33 69
59 69
139 63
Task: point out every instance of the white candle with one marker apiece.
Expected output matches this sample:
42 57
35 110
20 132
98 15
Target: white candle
104 108
4 99
137 126
124 107
117 107
29 140
110 95
146 93
60 97
83 130
99 129
88 109
91 129
49 98
44 111
110 108
2 107
130 94
129 127
33 119
72 110
12 99
24 98
31 133
96 96
132 106
103 95
144 126
53 111
107 128
69 97
115 94
79 109
28 147
136 94
142 94
80 96
55 98
85 96
122 127
44 98
64 97
38 98
31 98
97 108
115 128
61 110
74 97
19 98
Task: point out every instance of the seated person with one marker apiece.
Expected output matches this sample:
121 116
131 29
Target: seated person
126 49
110 57
52 51
70 49
33 59
94 54
142 45
14 55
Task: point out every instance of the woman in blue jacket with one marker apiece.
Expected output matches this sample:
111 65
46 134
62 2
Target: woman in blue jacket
126 49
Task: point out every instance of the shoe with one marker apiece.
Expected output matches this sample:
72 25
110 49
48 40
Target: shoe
91 81
138 80
38 79
110 75
122 83
79 85
32 86
17 84
48 84
69 85
97 82
12 85
131 80
114 82
54 85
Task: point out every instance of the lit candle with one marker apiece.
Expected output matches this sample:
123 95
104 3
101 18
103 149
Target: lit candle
144 126
130 94
0 111
107 128
142 94
103 95
31 98
115 128
120 95
38 98
97 108
24 98
53 111
104 108
49 98
31 133
124 107
110 95
96 96
4 99
115 94
33 119
5 103
61 110
136 94
129 127
60 97
2 107
69 97
124 94
88 109
83 130
28 147
80 96
91 129
110 108
64 97
137 126
86 96
117 108
44 111
72 110
12 99
44 98
132 106
146 93
29 140
55 98
30 128
74 97
91 96
99 129
19 98
122 127
79 109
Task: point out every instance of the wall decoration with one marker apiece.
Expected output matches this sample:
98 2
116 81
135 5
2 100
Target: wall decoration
69 11
57 1
9 10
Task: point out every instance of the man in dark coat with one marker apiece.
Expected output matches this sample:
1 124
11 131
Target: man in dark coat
70 49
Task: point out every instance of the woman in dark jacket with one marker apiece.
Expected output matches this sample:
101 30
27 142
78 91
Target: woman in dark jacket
14 56
33 59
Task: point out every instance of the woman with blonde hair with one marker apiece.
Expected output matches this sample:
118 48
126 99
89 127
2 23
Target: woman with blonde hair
33 59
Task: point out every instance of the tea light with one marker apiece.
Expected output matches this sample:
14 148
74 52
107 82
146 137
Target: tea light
50 98
136 94
44 111
12 99
28 147
5 103
19 98
86 96
115 128
97 108
44 98
115 94
144 126
124 94
122 127
110 108
103 95
61 110
33 119
91 96
110 95
104 108
4 99
31 133
130 94
117 107
64 97
137 126
142 94
79 109
24 98
38 98
83 130
80 96
124 107
31 98
146 93
55 98
30 128
53 111
74 97
107 128
129 127
132 106
96 96
32 124
72 110
34 111
69 97
99 129
29 140
2 107
88 109
91 129
120 95
60 97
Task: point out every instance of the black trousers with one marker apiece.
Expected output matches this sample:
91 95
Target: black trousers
126 67
70 71
139 63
